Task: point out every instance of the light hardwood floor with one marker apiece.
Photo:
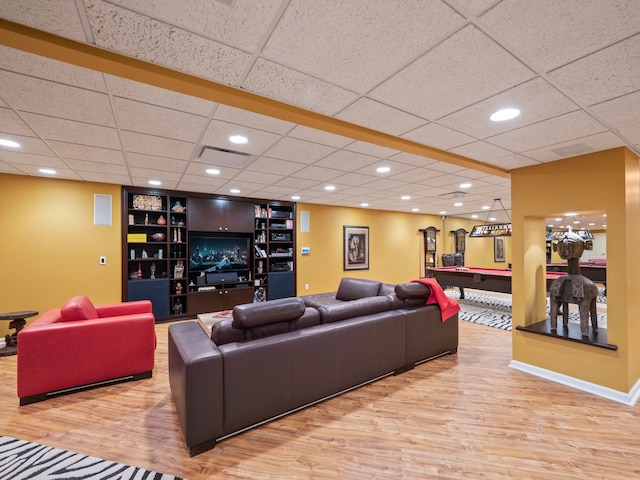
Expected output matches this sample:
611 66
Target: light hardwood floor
462 416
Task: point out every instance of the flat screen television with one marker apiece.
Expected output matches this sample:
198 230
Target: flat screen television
215 253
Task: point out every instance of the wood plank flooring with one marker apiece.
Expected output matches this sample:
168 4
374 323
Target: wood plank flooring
462 416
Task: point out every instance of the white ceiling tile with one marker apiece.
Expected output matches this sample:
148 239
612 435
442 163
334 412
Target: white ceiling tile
319 174
153 145
597 142
371 149
106 178
209 180
11 123
257 177
257 121
153 174
299 183
156 163
412 159
289 86
197 168
55 16
346 160
61 172
73 132
140 92
353 179
7 168
195 187
20 158
278 190
511 161
34 95
241 23
83 166
217 135
536 100
383 118
460 71
144 183
476 7
338 41
438 136
414 175
298 150
386 184
41 67
139 36
163 122
90 154
274 165
551 33
247 189
317 136
623 114
569 126
28 145
482 151
612 72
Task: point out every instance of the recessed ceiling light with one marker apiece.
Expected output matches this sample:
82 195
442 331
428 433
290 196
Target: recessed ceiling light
558 219
47 171
405 197
591 224
155 182
465 185
486 207
415 209
604 226
364 204
493 219
238 139
234 190
330 188
9 143
443 212
295 197
474 216
604 214
576 221
550 225
457 204
505 114
570 214
383 169
212 171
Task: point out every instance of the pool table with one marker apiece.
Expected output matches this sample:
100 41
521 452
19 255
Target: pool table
489 279
596 271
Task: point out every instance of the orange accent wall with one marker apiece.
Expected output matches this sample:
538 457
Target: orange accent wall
50 247
605 181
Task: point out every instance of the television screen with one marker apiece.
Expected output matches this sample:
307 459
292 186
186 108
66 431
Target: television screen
221 254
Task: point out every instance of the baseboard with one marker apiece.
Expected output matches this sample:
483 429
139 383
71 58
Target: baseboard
626 398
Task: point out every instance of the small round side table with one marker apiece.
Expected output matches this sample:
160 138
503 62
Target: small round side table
18 321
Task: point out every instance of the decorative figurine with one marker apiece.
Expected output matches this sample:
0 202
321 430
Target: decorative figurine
153 270
178 270
131 219
146 219
177 307
260 266
573 287
177 207
139 273
145 254
178 288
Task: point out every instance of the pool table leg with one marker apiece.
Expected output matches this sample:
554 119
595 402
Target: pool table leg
461 293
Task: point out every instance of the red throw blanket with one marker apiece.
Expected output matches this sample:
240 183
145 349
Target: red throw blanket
448 306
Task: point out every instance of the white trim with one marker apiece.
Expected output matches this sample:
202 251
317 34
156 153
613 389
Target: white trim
617 396
3 343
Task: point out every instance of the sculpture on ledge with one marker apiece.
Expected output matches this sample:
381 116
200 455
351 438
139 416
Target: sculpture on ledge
573 287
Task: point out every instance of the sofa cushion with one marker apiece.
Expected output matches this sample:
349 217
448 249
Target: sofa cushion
316 300
223 332
355 288
412 293
354 308
252 315
78 308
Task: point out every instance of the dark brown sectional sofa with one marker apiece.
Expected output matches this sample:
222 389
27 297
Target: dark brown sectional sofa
278 356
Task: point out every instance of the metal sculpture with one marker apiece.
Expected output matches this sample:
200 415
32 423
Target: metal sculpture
573 287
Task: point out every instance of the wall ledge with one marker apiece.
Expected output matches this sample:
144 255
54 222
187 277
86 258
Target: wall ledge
629 399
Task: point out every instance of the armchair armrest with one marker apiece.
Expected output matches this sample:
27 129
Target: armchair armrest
125 308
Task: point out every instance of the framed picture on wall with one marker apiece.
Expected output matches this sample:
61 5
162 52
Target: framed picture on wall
498 249
356 248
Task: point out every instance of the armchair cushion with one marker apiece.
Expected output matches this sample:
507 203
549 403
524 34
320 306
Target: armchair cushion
78 308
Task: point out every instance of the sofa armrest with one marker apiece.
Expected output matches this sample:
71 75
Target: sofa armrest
197 386
56 356
125 308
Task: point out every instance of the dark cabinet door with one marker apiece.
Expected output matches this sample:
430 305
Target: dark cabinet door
220 215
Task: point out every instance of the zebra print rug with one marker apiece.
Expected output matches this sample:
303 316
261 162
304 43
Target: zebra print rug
496 312
20 460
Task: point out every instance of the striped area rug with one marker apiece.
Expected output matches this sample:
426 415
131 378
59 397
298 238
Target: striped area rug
496 312
21 460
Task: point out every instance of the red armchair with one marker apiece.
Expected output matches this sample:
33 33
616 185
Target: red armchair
81 345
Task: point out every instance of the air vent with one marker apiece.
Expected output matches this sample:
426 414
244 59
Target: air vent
450 195
572 150
222 157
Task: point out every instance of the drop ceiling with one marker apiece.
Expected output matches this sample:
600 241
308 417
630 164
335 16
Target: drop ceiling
423 72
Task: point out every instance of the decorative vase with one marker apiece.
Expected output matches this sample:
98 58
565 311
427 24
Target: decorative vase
162 220
158 237
139 273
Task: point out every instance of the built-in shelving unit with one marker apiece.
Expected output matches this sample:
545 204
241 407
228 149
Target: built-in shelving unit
191 253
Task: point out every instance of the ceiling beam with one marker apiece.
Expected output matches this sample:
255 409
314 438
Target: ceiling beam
52 46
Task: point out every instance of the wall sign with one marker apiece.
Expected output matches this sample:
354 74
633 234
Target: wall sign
496 230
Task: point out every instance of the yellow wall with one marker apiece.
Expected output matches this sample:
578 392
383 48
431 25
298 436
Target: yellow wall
50 247
605 181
